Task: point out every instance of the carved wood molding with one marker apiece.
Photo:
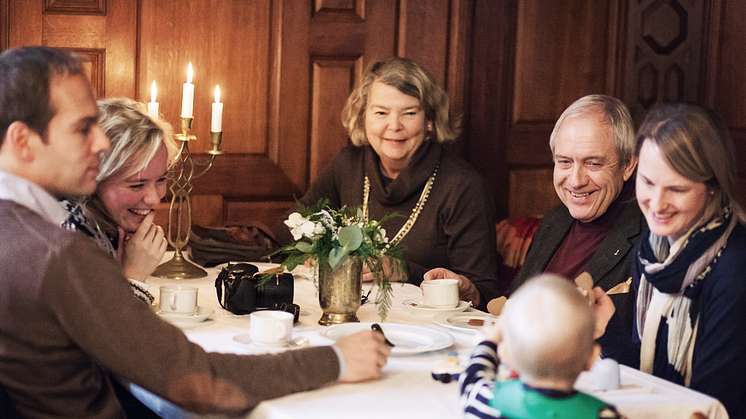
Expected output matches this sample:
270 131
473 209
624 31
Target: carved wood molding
95 60
75 7
664 53
351 7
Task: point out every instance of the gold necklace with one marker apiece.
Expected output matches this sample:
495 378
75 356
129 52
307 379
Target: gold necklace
415 211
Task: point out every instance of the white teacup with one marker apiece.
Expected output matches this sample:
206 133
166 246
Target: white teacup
606 375
441 293
178 299
271 328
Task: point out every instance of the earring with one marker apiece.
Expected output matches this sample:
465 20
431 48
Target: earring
429 126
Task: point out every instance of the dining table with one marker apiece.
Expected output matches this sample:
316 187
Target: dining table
427 340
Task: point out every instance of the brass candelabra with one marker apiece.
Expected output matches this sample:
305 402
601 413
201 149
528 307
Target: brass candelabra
180 211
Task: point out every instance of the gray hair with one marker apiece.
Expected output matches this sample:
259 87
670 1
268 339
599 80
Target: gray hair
616 115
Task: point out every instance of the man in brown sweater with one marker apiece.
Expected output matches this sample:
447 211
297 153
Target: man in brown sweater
67 316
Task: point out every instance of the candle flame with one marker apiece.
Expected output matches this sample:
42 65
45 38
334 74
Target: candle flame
190 73
217 94
152 92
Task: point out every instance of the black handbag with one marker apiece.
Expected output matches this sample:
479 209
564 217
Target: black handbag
241 291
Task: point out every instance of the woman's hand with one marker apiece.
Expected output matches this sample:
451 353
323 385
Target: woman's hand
466 289
143 251
393 275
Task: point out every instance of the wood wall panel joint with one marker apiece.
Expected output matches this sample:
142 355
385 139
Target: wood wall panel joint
352 9
75 7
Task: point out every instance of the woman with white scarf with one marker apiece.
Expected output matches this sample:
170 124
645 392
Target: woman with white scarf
690 275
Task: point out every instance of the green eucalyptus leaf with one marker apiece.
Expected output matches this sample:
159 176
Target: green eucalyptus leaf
337 255
304 247
350 237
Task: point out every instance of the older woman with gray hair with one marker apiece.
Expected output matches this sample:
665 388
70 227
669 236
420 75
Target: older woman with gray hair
118 216
397 119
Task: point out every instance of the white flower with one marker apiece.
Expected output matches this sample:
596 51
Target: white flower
299 226
380 235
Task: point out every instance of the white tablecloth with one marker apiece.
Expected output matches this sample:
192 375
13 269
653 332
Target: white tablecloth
407 389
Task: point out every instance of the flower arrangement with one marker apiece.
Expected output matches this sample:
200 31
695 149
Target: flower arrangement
330 236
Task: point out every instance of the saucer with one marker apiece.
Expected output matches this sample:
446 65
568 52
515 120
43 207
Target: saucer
201 315
245 338
418 307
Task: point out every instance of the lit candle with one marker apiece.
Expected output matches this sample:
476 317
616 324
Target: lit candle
153 105
187 100
217 113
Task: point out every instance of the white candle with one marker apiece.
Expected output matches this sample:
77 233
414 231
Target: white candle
187 99
217 112
153 105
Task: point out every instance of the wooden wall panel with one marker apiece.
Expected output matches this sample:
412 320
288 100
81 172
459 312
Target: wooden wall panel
333 80
228 45
532 192
730 76
563 50
561 55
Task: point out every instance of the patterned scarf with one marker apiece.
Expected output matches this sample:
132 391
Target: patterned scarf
668 287
77 221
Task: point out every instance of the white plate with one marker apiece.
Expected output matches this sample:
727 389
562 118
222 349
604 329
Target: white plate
419 308
460 321
201 315
407 338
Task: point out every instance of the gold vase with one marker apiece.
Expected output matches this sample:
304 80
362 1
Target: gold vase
340 291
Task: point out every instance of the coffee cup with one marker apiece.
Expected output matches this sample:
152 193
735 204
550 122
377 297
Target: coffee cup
178 299
441 293
271 328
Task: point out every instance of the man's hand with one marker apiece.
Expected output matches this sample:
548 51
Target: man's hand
144 250
466 289
604 310
365 355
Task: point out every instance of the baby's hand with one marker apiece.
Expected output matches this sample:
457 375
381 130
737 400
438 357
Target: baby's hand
491 330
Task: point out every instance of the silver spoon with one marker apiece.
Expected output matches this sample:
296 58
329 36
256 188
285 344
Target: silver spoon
299 342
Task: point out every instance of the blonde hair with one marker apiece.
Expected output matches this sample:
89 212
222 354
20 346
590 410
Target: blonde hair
614 113
135 139
548 329
696 144
409 78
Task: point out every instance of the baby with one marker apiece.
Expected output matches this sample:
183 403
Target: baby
545 333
